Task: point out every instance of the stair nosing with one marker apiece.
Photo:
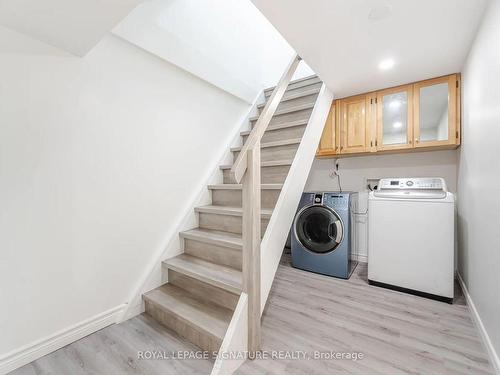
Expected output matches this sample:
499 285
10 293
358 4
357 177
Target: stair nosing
288 110
274 163
240 186
230 287
229 210
292 141
203 236
293 96
172 309
285 125
296 81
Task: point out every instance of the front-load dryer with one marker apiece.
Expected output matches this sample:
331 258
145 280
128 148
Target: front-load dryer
322 233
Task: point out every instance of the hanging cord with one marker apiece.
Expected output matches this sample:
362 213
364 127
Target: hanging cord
336 173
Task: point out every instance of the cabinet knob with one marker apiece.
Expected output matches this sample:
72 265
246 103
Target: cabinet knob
416 140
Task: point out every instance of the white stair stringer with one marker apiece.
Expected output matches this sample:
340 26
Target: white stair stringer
281 220
276 233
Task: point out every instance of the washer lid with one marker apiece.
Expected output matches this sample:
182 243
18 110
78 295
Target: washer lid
319 229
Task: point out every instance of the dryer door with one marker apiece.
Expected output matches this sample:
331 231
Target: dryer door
319 229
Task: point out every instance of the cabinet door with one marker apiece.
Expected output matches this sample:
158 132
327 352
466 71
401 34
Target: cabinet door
394 118
436 112
353 125
328 144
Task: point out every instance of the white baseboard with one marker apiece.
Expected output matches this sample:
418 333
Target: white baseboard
495 361
26 354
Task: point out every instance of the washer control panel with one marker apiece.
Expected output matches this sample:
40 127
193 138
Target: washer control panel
407 188
417 183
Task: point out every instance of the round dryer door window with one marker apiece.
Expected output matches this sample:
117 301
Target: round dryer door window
319 229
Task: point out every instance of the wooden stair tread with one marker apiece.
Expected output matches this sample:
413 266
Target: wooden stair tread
289 124
293 141
215 237
240 186
314 78
209 317
273 163
298 95
224 277
297 108
231 211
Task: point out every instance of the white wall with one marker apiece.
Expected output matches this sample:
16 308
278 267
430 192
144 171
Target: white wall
354 172
479 176
72 25
227 43
100 158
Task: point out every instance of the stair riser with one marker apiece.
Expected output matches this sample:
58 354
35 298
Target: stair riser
293 132
232 198
298 87
203 291
303 114
213 253
225 223
286 152
198 337
268 175
309 99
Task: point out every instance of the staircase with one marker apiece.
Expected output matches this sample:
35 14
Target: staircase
204 283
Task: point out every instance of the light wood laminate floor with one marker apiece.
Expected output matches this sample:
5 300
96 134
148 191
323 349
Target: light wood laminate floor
396 332
114 351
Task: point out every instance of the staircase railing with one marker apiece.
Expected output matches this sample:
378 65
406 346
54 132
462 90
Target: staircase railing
246 170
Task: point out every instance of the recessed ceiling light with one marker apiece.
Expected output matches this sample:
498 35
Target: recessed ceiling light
397 125
395 104
386 64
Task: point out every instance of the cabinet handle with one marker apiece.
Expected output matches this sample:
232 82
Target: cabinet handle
371 143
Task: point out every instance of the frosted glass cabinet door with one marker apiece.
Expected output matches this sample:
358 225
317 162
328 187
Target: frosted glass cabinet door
394 118
435 111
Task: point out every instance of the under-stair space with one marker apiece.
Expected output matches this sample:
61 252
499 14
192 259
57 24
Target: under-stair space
205 281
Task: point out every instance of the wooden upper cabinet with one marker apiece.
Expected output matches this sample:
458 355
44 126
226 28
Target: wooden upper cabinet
354 133
421 115
436 112
395 118
328 144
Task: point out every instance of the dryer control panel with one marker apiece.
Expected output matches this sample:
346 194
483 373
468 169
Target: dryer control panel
339 201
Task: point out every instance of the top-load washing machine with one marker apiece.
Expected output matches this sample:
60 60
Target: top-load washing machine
323 233
411 239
